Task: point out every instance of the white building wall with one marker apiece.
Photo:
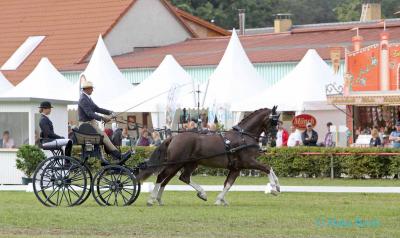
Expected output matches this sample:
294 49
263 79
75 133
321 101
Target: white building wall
9 174
337 117
148 23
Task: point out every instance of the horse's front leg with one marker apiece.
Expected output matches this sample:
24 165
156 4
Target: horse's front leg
273 179
230 179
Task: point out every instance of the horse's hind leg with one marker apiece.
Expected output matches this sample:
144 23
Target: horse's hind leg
162 180
185 177
230 179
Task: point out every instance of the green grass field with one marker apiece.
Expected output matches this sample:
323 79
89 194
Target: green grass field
250 214
246 180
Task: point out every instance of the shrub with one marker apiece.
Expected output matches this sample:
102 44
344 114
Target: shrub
290 162
28 158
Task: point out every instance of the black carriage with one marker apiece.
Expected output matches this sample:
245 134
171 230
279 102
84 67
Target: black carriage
66 181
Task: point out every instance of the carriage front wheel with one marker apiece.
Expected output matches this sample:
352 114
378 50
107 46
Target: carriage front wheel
115 185
60 181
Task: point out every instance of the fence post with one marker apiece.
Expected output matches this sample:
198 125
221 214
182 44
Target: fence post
332 172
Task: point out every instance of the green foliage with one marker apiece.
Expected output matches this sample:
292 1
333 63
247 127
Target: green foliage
28 158
260 13
291 162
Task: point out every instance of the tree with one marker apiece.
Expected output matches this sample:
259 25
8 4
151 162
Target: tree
260 13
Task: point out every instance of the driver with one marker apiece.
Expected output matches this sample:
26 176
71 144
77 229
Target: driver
87 114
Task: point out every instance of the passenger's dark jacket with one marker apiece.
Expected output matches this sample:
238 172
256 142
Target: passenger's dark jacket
313 140
87 109
47 130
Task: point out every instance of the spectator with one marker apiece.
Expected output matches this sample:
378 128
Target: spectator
144 139
156 138
6 141
294 137
212 127
191 126
281 135
328 141
395 136
309 136
375 140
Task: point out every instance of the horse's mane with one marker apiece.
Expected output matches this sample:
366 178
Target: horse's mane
248 117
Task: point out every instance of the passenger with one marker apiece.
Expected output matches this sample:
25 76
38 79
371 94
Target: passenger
47 136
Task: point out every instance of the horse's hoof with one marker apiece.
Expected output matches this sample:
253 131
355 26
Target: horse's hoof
278 188
150 203
202 196
274 192
160 202
221 202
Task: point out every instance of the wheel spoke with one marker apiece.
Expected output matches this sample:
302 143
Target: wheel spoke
122 195
73 191
127 191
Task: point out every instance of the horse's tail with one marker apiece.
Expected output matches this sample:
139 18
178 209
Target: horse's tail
155 163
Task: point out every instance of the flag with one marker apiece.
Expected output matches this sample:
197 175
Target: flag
171 106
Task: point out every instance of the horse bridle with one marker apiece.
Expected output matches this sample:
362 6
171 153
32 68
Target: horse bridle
273 121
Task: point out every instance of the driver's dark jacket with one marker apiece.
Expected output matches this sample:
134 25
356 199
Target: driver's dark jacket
87 109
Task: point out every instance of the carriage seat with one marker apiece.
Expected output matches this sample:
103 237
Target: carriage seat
48 144
86 134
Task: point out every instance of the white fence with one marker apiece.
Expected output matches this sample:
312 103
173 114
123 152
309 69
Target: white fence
9 174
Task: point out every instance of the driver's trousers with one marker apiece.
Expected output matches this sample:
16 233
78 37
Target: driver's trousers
109 146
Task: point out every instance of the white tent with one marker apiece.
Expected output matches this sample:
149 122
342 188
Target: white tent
19 106
302 89
5 85
108 81
154 93
234 80
44 82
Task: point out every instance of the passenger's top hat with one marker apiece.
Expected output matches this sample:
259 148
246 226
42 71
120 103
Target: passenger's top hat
45 104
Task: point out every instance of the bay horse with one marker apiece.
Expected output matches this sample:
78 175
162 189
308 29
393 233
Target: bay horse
235 150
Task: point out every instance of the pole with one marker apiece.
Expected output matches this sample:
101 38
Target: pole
198 108
332 172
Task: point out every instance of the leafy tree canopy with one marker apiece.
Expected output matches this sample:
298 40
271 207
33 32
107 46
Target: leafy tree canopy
260 13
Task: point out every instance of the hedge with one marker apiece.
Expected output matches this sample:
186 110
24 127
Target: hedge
292 162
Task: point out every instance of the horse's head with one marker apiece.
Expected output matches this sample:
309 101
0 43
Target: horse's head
270 122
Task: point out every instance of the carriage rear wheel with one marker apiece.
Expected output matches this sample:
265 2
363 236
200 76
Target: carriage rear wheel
115 185
60 181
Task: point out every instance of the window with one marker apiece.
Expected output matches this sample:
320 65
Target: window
22 52
16 124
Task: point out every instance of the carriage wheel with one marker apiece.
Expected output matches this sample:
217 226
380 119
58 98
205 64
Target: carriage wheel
115 185
88 184
60 181
137 190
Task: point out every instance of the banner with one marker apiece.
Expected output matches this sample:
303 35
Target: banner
171 106
335 58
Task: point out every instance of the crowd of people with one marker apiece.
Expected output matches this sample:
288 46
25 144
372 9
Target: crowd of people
381 136
309 137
